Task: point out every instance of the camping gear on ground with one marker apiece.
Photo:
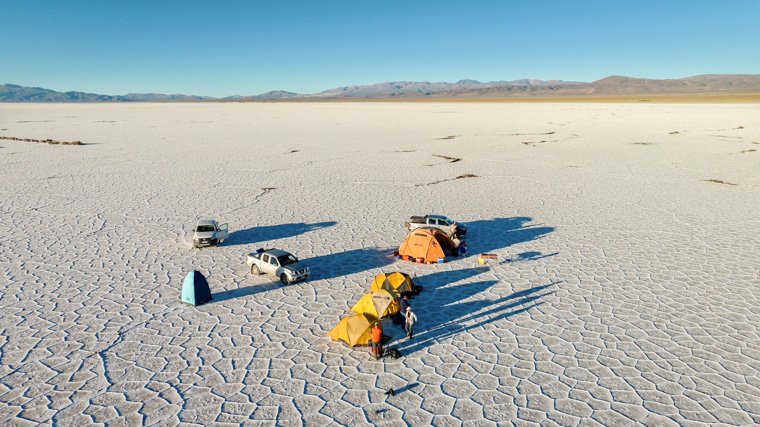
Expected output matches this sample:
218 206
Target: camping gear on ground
195 290
483 258
397 282
394 353
428 244
380 303
355 330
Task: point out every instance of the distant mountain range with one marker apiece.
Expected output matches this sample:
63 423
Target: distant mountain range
15 93
708 84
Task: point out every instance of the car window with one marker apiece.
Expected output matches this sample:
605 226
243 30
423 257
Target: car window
273 261
266 258
287 260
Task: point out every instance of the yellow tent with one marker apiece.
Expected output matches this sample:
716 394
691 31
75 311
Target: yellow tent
380 303
396 282
355 330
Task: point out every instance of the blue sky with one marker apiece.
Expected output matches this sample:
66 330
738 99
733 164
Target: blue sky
250 47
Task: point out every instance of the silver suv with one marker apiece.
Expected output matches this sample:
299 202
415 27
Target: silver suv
208 232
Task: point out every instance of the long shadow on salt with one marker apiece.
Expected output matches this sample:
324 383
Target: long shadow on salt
273 232
246 291
452 317
349 262
498 233
441 278
322 267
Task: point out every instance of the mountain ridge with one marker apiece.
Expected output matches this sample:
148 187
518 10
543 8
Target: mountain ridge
465 89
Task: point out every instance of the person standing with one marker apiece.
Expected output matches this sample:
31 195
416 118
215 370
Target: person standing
454 230
376 336
403 305
411 319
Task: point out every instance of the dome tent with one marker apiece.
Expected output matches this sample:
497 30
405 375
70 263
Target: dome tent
355 330
397 282
428 243
195 290
380 303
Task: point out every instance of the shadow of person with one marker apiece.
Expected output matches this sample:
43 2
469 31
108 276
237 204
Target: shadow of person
273 232
406 387
526 256
450 316
437 295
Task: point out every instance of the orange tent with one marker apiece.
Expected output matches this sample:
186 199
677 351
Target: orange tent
428 243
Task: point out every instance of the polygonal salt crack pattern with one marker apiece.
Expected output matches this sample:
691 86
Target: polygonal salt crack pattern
625 289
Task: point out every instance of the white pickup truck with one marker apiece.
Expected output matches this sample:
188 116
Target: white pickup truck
437 221
278 263
207 232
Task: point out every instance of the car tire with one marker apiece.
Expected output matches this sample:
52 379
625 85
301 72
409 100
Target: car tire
255 269
284 279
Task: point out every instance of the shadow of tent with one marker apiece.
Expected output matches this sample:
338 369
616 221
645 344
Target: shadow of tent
350 262
436 296
441 278
493 234
273 232
436 300
451 318
244 292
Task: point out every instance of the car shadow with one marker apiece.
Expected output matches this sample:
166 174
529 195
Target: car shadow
273 232
498 233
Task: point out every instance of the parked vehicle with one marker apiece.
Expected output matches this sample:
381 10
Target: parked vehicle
278 263
208 232
437 221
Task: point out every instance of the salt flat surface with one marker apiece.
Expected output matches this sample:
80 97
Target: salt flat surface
631 295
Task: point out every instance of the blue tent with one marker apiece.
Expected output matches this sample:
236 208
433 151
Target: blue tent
195 290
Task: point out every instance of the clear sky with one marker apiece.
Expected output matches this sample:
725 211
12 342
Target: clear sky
222 48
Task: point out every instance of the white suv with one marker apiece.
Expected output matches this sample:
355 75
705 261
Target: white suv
208 233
